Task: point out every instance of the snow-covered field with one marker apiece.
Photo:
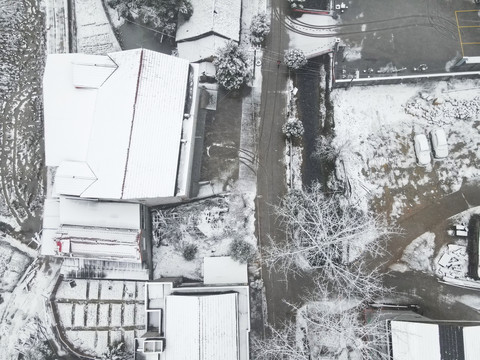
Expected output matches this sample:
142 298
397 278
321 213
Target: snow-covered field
374 130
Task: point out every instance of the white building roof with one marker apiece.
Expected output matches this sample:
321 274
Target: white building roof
201 48
221 17
124 122
471 343
203 327
99 214
415 341
223 270
92 229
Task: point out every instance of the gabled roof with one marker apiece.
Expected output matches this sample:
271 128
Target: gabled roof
202 48
202 327
119 114
219 17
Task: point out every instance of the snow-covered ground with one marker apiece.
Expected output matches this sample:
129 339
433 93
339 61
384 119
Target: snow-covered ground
374 130
210 225
418 255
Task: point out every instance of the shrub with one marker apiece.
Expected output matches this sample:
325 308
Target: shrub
190 251
295 59
242 251
259 28
232 66
296 4
293 128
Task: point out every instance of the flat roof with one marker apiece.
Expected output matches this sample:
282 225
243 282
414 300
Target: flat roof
224 270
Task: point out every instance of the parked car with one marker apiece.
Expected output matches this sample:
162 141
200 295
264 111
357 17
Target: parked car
439 143
422 149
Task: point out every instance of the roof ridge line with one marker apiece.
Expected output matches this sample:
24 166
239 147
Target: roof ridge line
133 120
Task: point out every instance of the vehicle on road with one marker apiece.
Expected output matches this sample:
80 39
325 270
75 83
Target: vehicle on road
439 143
422 149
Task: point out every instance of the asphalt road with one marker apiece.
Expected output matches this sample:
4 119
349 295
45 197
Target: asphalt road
271 184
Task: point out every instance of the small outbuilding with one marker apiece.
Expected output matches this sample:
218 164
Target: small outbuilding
211 26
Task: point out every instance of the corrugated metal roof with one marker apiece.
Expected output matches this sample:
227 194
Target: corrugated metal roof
203 327
128 131
471 343
157 127
220 16
90 213
415 341
451 341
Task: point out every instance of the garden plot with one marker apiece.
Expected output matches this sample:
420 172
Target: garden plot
185 234
111 290
374 129
95 314
12 266
73 290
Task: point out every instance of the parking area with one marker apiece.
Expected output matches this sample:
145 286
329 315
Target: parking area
96 314
468 24
407 37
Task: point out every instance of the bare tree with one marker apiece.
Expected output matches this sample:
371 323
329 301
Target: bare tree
279 345
327 328
328 236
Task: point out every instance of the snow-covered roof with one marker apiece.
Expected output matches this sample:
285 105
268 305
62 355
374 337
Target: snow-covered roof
128 130
201 48
224 270
415 341
220 17
428 340
203 327
99 214
92 229
471 345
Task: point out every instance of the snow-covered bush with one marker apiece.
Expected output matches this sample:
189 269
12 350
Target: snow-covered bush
296 4
117 351
295 59
160 14
242 251
190 251
293 128
232 66
259 28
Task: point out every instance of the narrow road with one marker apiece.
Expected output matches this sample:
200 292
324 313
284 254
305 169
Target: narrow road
271 184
